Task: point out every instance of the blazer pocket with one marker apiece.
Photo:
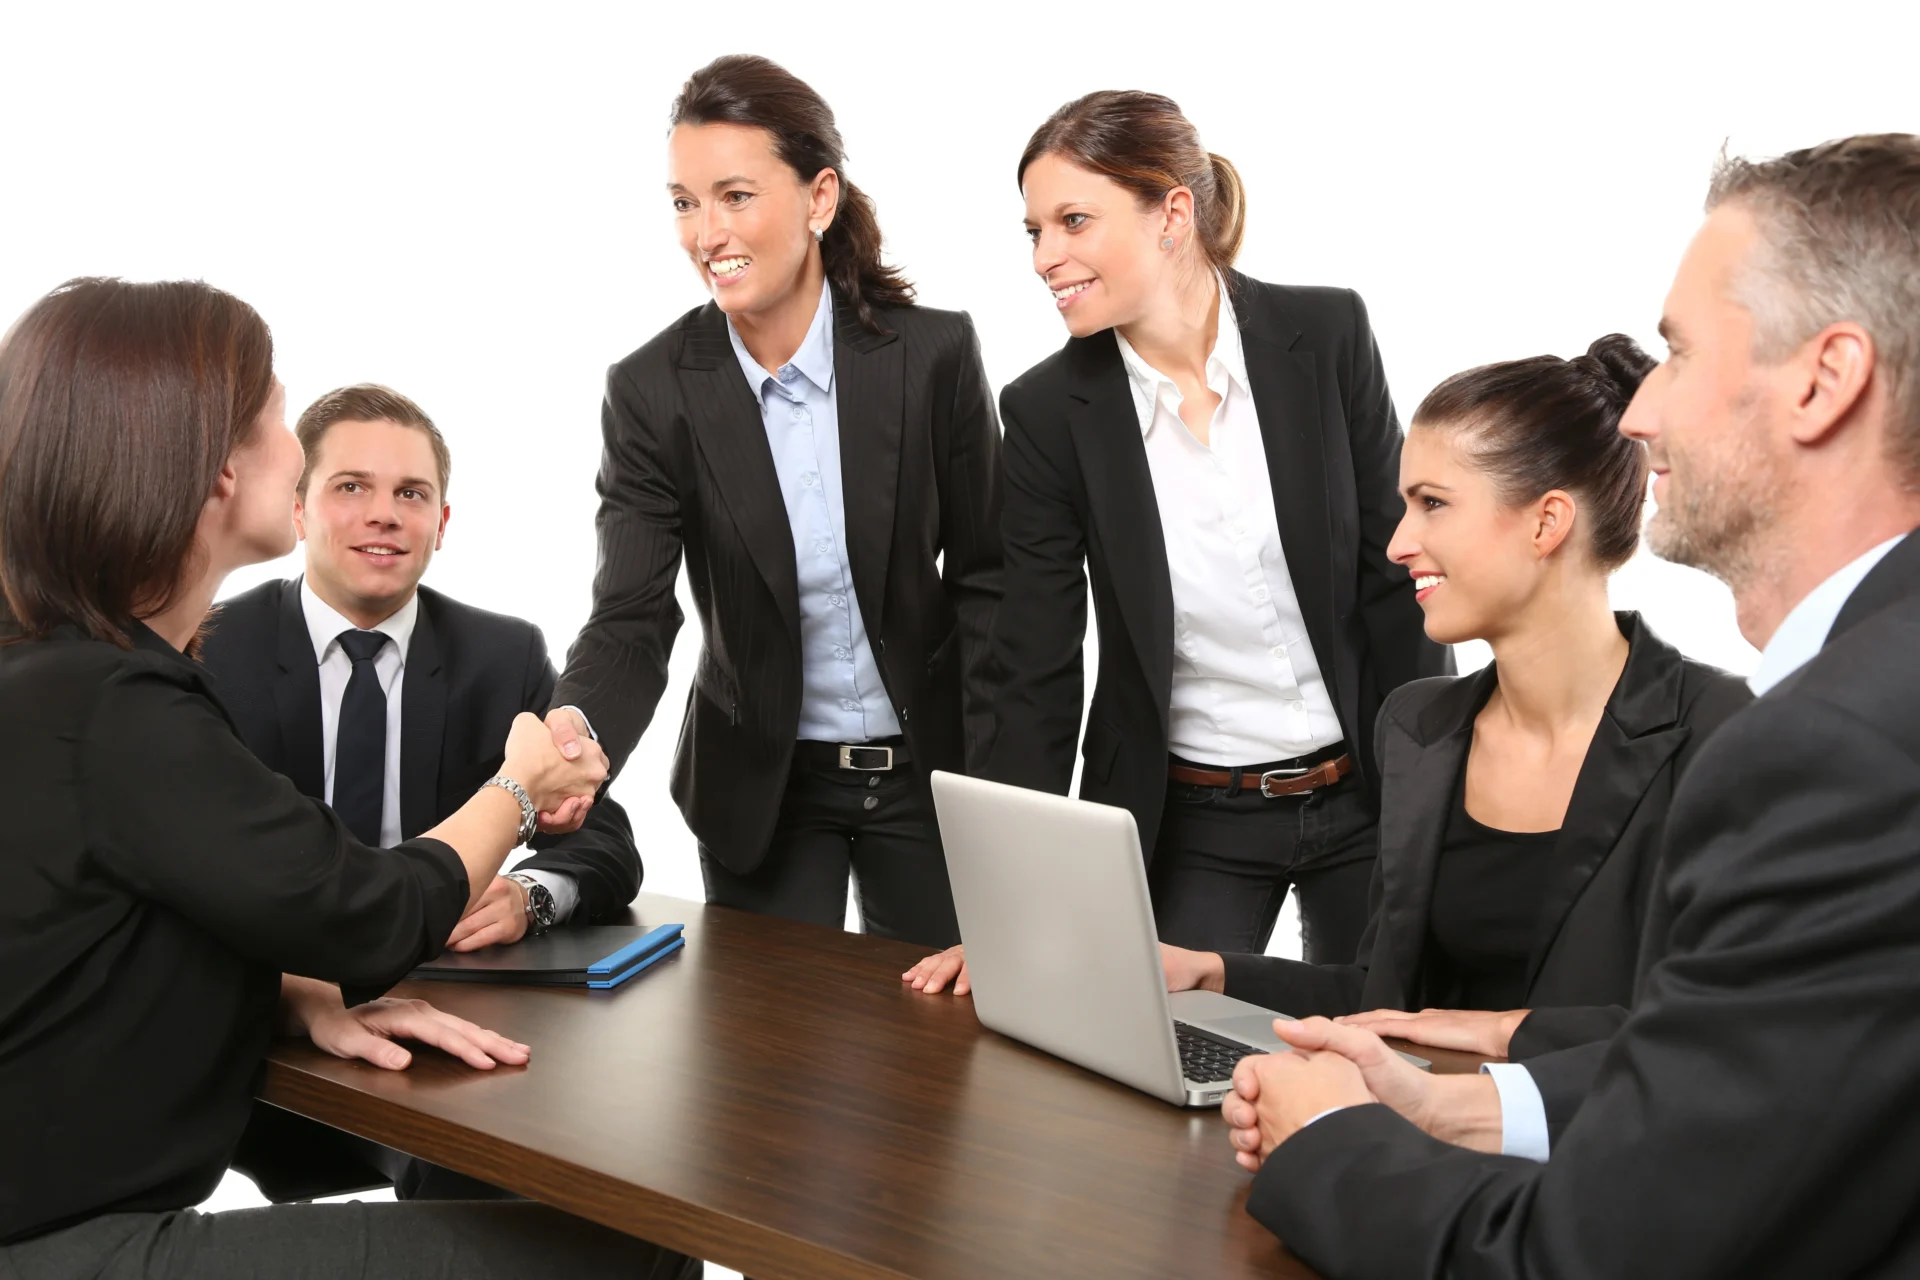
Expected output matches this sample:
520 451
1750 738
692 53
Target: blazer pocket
717 687
1099 749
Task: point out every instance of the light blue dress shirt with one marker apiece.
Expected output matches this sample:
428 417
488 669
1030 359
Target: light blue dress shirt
1800 635
842 698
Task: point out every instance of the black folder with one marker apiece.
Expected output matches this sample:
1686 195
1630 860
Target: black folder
602 955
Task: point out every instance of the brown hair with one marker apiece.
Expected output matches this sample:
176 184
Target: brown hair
367 402
1141 141
1840 231
119 405
745 89
1545 423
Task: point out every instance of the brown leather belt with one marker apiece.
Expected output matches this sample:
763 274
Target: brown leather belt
1272 784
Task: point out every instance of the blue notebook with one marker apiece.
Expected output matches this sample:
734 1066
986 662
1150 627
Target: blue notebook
601 955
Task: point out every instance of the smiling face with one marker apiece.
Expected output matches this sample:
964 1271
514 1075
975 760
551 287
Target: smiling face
745 218
1714 421
1096 248
372 516
1475 561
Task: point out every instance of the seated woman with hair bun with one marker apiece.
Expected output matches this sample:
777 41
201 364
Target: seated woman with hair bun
1521 805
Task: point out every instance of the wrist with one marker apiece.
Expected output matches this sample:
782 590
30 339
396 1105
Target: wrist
1213 972
1465 1110
1509 1024
304 1001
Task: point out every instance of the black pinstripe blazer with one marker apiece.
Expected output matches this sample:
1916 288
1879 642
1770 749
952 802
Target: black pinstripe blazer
687 470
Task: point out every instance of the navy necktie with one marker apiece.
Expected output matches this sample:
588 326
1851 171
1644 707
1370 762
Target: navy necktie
360 744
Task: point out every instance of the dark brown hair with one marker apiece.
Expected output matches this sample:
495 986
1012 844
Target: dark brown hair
745 89
367 402
119 405
1141 141
1840 240
1546 423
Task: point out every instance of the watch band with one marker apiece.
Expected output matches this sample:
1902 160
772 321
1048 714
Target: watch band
529 816
540 903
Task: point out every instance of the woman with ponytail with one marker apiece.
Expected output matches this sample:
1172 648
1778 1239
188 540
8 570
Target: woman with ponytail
1219 455
825 456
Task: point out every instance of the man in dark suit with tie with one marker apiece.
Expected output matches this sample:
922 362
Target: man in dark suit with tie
1754 1114
390 701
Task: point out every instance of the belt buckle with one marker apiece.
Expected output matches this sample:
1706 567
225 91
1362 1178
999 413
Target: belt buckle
1283 774
885 753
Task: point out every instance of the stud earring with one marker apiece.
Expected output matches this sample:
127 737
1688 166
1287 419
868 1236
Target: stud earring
1167 243
818 235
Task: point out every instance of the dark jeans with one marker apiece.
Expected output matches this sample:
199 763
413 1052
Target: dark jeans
354 1241
1223 862
878 827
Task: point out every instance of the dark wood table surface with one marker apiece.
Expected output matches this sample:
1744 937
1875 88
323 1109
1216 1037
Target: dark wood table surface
775 1100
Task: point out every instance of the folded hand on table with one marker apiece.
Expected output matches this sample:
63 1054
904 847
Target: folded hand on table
1468 1030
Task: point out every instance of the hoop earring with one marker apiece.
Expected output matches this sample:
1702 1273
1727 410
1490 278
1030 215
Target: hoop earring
1167 243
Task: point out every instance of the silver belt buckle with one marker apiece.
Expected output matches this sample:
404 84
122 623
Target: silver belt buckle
885 753
1282 775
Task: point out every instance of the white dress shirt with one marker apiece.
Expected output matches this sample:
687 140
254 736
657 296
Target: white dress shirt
1799 637
324 625
1247 686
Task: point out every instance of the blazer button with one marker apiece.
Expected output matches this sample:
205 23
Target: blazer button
903 715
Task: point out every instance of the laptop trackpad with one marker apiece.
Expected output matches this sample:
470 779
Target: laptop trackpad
1253 1029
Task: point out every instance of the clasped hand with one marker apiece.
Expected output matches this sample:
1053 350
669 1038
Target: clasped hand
571 737
559 764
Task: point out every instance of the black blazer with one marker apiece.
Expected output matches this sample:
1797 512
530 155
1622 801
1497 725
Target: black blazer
159 881
1661 711
1080 502
469 673
1755 1116
687 470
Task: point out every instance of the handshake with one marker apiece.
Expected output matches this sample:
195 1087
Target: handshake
559 764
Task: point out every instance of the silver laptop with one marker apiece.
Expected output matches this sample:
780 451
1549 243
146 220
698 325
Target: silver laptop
1053 907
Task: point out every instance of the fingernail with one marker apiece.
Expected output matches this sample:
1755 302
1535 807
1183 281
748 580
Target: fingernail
571 751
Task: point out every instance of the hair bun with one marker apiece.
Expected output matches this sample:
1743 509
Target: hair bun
1618 362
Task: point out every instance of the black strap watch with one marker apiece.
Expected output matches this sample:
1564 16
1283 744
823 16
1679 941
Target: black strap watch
540 906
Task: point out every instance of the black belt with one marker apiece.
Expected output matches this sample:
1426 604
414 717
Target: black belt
879 756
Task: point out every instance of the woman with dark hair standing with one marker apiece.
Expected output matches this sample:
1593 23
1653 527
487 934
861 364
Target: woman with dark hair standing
824 454
172 900
1219 455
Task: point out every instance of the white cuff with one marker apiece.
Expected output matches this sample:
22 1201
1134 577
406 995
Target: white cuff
1324 1114
1523 1112
566 894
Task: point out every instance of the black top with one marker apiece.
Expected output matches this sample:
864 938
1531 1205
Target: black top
159 879
1755 1114
1586 911
1080 508
1486 908
469 672
687 474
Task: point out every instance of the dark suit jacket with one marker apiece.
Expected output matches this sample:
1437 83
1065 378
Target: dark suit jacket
1080 501
469 673
687 470
159 881
1587 943
1755 1116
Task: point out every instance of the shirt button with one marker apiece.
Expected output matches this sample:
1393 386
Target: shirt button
823 545
836 601
1280 651
1298 704
842 652
1260 594
810 479
848 704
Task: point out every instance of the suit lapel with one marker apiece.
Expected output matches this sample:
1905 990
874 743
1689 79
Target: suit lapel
732 437
1287 399
869 373
423 724
1636 737
296 698
1124 512
1420 779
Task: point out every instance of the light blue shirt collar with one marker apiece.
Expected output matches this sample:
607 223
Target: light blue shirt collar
814 359
1804 630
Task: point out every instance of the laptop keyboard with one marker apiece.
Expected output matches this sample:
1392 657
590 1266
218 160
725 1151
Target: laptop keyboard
1206 1058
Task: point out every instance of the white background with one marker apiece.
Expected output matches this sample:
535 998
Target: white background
465 201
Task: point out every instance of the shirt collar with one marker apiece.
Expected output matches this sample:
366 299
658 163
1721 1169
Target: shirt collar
1804 630
324 623
1227 361
814 359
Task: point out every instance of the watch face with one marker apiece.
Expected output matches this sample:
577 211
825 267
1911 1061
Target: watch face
542 902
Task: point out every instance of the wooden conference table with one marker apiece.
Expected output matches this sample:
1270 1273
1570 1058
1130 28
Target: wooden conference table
775 1100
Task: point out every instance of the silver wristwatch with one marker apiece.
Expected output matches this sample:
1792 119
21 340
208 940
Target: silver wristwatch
540 904
529 816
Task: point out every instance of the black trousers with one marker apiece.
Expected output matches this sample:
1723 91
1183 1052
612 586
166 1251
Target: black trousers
1224 861
521 1241
878 828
